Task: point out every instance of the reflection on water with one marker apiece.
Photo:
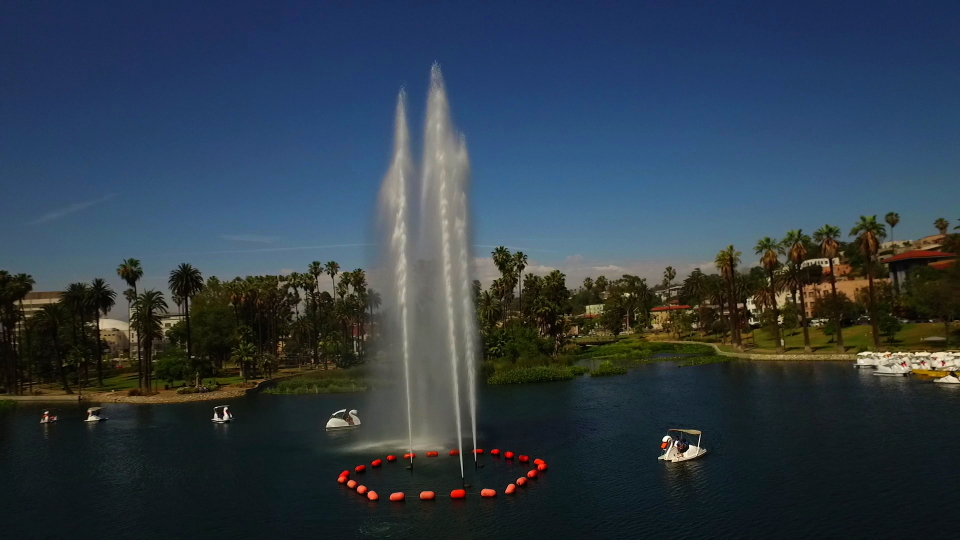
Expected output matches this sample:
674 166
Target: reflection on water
766 426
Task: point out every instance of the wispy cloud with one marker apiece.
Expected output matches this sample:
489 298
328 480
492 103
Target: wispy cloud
265 250
75 207
258 238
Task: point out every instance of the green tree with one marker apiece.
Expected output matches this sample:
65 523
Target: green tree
892 219
935 293
942 225
77 300
102 299
796 246
727 261
243 355
828 239
669 274
869 233
185 282
130 272
49 322
519 264
770 250
148 310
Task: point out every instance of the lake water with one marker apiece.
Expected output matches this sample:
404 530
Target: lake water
796 450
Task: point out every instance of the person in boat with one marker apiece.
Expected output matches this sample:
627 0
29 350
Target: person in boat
682 446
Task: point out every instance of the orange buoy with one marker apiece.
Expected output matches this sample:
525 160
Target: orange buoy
342 479
478 451
510 489
495 452
409 455
458 494
360 468
522 481
376 463
542 467
391 458
508 455
345 473
433 454
397 497
531 474
537 461
524 459
427 495
351 484
362 490
372 495
488 493
454 452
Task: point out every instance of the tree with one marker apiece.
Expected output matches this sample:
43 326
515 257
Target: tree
49 321
950 244
502 260
669 274
892 218
148 309
77 300
102 299
770 250
942 225
935 293
868 233
612 317
185 282
131 272
519 264
243 355
827 237
697 289
796 245
488 309
727 261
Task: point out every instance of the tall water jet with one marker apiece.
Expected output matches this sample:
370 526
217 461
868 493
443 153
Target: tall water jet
393 200
430 320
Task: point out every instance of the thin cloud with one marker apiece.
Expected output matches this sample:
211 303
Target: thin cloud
258 238
266 250
75 207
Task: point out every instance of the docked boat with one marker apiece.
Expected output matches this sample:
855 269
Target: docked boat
343 420
676 448
95 414
931 372
48 418
900 369
221 414
866 359
949 379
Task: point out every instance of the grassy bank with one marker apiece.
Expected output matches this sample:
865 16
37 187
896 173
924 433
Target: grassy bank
607 368
7 405
334 381
537 374
855 339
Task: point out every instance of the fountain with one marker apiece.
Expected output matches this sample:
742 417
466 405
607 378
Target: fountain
430 320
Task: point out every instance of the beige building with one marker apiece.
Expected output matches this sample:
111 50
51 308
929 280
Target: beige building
34 301
849 287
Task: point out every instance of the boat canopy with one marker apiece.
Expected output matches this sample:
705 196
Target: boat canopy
220 407
341 414
94 409
687 431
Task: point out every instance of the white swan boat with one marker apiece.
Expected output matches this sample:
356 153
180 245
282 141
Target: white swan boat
676 448
343 420
221 414
866 359
48 418
95 414
899 369
949 379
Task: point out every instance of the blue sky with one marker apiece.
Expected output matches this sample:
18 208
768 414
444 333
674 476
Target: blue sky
251 137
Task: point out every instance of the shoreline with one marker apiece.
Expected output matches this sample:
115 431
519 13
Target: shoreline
161 397
787 357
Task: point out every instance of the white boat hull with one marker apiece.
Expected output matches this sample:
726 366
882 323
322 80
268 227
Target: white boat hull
95 419
673 456
335 424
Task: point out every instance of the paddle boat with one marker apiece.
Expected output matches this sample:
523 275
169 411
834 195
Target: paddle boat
47 418
221 414
949 379
896 369
866 359
95 414
343 420
676 448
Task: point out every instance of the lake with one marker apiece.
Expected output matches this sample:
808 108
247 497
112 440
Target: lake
796 450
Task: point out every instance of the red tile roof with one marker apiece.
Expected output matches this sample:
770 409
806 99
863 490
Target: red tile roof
918 254
669 308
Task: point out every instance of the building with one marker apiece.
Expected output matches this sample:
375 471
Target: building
116 334
593 310
669 292
848 287
34 301
902 264
660 315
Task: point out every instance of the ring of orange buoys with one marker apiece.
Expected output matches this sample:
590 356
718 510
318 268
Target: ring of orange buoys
540 466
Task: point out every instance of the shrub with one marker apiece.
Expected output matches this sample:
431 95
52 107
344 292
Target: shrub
532 375
700 360
579 370
134 392
607 368
187 390
7 405
318 385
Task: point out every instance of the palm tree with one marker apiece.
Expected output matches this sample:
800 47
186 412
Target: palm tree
331 269
22 286
242 355
669 274
488 309
770 250
102 299
502 260
49 321
148 309
185 282
892 218
827 237
796 245
869 233
942 225
727 261
77 300
697 288
131 272
519 264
